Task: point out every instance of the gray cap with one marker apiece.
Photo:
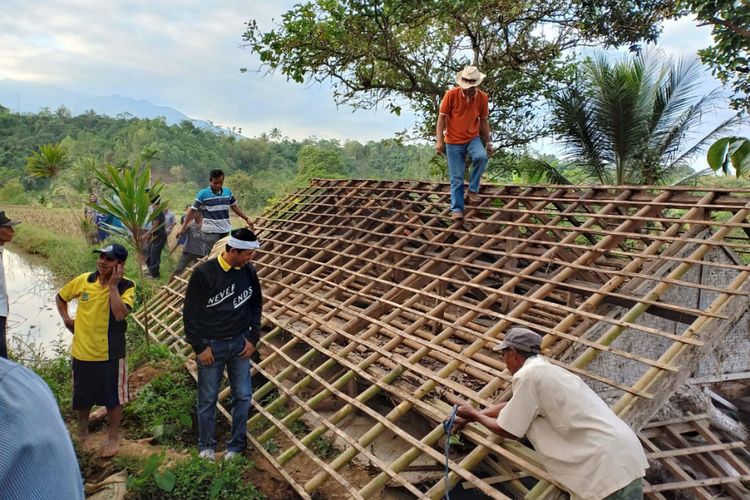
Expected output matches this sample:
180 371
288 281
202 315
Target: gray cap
521 339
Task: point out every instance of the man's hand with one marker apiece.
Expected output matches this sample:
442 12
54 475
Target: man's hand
117 274
440 147
249 223
458 424
70 324
488 148
464 414
248 350
206 357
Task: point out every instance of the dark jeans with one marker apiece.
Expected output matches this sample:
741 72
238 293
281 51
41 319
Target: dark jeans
153 256
3 344
226 355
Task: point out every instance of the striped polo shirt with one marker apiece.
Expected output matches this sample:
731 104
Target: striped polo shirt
98 335
215 209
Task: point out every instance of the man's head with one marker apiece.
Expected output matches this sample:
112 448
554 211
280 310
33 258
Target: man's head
6 228
216 179
518 345
469 79
109 257
240 247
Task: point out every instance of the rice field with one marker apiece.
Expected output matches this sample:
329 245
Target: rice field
63 221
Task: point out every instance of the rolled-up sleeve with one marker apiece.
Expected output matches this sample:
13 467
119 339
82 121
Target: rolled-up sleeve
516 417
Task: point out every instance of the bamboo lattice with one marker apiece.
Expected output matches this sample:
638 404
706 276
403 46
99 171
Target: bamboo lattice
378 306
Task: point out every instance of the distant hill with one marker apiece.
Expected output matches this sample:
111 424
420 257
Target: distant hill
31 97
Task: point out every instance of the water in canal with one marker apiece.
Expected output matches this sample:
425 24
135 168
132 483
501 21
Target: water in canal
33 320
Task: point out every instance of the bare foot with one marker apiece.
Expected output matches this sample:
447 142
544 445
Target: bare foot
110 448
83 441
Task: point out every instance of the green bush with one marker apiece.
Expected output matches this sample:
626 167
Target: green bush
164 408
195 478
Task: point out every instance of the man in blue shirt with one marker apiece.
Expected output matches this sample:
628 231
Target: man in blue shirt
36 456
214 203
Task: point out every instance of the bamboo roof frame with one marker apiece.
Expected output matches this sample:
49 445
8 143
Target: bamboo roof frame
371 291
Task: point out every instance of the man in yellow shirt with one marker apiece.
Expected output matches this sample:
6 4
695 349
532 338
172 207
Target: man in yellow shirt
100 375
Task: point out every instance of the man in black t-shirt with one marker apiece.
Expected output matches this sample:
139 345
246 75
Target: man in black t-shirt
222 316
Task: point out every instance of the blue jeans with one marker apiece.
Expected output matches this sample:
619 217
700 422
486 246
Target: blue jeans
456 154
226 354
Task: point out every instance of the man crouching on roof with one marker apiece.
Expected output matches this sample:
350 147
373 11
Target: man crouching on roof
222 316
580 441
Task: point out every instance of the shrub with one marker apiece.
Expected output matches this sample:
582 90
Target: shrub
196 478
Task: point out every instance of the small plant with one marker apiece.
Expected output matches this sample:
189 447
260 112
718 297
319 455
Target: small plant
164 408
195 478
271 446
324 448
165 481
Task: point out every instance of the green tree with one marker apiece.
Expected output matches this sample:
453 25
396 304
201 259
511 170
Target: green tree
628 121
319 162
48 161
729 53
390 52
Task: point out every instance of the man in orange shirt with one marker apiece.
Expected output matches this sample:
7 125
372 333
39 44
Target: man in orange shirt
463 128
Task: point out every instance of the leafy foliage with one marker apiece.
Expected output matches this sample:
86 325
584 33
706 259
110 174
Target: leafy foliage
389 53
197 479
48 161
627 121
729 54
730 150
164 408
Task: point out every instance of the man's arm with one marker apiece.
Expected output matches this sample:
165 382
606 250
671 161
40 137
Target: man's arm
194 305
485 417
190 215
440 133
484 132
236 209
62 309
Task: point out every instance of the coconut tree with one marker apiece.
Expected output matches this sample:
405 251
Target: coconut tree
131 203
633 121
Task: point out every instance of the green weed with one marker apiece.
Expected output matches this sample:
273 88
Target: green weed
195 478
164 408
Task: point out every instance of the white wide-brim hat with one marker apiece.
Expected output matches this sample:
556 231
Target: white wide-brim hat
469 77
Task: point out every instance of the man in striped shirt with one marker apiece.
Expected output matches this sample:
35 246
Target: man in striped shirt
214 203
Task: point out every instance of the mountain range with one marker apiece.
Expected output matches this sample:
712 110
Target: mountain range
32 97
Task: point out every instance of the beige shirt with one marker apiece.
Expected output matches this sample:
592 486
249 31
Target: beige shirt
580 441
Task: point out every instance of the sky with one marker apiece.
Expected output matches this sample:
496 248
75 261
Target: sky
187 54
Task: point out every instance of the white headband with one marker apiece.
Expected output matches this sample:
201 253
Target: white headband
242 244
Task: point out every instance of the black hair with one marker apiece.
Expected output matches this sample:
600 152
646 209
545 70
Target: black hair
525 354
215 174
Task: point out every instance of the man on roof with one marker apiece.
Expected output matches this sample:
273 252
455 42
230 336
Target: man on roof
580 441
100 373
463 128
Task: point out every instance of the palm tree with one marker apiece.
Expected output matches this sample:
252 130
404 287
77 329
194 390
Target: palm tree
48 161
631 121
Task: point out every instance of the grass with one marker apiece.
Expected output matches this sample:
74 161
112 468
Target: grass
164 408
195 479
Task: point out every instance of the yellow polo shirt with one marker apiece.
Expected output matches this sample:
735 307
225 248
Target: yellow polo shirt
98 335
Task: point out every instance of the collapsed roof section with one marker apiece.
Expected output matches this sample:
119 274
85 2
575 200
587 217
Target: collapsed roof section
382 310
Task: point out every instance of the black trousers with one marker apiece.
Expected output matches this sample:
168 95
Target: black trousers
153 256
